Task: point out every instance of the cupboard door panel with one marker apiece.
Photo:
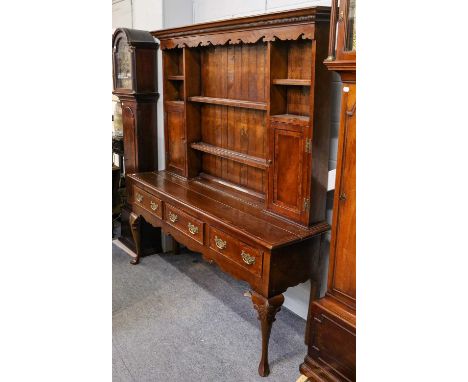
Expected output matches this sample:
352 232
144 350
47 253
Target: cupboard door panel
288 178
344 234
128 123
176 138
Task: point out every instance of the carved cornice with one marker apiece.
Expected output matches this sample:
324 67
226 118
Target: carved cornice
294 32
247 30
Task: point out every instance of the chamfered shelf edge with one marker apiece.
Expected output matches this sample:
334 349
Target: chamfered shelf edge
232 155
290 81
177 77
230 102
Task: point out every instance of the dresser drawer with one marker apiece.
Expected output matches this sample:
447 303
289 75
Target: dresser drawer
184 223
147 201
237 251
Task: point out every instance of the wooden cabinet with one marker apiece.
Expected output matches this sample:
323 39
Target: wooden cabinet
331 325
246 123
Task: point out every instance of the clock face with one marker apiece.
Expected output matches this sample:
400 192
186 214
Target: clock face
123 65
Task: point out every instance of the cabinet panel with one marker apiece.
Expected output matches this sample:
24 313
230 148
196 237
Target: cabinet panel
128 123
175 149
333 344
344 233
288 178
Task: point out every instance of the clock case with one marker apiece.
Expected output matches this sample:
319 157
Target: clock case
138 96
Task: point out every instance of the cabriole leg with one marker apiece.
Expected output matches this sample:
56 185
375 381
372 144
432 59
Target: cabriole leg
134 221
267 309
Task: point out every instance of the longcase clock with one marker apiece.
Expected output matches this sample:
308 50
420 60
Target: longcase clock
331 325
134 58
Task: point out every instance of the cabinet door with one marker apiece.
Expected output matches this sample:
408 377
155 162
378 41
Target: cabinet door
343 246
129 133
175 142
288 183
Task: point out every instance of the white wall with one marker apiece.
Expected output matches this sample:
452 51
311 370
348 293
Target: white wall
137 14
208 10
122 14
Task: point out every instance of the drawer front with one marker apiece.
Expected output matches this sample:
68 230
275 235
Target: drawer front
184 223
147 201
334 343
237 251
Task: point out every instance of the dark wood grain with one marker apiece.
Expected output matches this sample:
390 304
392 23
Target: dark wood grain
246 150
266 309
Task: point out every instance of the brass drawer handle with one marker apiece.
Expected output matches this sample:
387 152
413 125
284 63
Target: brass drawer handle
139 197
249 260
154 206
173 217
220 243
192 229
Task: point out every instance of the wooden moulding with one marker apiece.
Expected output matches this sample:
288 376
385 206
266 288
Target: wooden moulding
230 102
176 77
232 155
290 25
291 81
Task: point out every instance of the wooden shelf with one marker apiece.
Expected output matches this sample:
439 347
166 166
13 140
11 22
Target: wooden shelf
291 118
230 102
290 81
175 77
232 155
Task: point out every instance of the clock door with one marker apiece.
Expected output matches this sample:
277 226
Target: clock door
342 282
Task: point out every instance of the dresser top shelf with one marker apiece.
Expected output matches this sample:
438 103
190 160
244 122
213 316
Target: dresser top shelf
247 217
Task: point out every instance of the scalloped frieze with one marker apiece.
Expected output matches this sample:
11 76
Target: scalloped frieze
242 37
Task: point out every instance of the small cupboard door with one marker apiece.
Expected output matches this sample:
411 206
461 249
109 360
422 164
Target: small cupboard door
288 180
175 142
